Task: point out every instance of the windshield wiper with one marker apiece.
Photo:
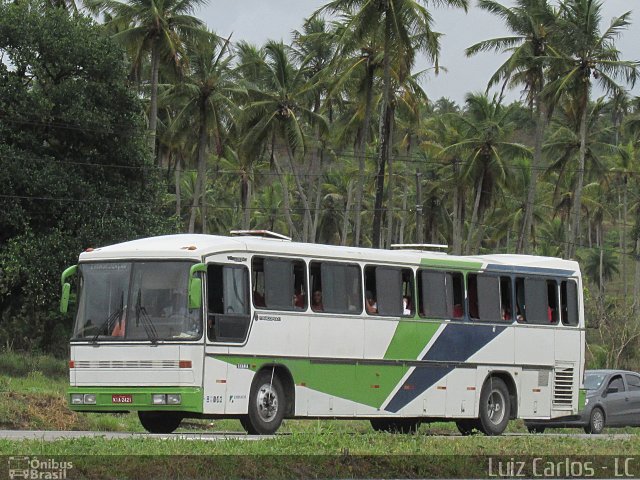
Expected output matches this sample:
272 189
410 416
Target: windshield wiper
109 320
147 323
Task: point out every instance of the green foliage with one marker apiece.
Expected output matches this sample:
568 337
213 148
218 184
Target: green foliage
74 163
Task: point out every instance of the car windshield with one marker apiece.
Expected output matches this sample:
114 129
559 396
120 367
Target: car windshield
135 301
592 381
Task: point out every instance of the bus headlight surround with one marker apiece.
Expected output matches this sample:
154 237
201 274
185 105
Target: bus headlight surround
89 398
159 399
77 399
174 399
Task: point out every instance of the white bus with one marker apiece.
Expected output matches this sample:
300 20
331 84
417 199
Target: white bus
260 328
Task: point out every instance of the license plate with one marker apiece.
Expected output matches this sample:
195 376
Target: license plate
122 399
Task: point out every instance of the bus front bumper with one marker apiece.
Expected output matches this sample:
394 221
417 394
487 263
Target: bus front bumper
124 399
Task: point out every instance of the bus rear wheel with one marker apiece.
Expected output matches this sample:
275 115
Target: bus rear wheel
495 407
160 422
399 425
267 404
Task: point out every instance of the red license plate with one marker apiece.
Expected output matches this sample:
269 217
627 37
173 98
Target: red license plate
121 398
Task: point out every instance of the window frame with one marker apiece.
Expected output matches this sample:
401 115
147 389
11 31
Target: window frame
360 297
450 308
279 258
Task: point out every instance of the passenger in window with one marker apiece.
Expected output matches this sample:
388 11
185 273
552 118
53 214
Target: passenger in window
550 314
316 301
370 304
298 300
506 314
406 305
458 312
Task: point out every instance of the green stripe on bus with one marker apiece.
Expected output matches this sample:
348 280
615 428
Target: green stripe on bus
410 339
448 263
192 399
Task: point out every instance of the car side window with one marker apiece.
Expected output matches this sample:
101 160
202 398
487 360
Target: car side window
633 382
617 383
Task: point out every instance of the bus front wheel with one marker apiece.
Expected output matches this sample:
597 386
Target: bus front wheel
494 407
160 422
267 404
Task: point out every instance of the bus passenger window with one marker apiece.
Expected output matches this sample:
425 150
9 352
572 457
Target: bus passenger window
537 299
569 299
340 285
552 299
484 297
441 294
505 299
521 314
279 283
384 290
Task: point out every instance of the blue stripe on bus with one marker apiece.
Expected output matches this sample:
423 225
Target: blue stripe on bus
555 272
457 343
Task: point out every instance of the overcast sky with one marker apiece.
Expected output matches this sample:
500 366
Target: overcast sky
258 20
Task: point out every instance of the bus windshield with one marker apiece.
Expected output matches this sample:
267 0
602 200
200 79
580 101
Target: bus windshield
135 301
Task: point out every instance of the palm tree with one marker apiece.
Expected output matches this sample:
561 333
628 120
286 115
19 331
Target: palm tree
586 55
204 100
487 151
564 148
407 29
278 115
532 23
158 27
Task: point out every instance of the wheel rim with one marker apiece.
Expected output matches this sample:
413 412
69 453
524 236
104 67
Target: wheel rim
597 421
267 402
495 407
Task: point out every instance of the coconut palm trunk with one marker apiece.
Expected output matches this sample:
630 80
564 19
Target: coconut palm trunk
577 203
153 101
385 131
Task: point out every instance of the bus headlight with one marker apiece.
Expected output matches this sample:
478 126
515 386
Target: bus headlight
174 399
159 399
77 399
90 398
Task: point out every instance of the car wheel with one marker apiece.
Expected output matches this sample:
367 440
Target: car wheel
399 425
535 429
467 426
267 404
596 421
494 407
160 422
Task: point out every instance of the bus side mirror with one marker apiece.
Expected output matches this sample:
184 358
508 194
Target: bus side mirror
66 288
195 293
64 300
195 286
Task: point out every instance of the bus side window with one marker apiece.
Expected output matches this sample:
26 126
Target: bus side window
340 285
384 284
284 284
506 310
484 297
552 299
569 299
441 294
228 303
521 313
537 300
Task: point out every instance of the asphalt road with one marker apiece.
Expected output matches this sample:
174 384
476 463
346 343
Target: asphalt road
51 435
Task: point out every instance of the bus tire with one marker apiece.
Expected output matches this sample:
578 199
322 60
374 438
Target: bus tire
495 407
467 426
160 422
399 425
267 404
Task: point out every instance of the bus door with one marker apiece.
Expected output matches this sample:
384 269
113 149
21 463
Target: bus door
228 324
